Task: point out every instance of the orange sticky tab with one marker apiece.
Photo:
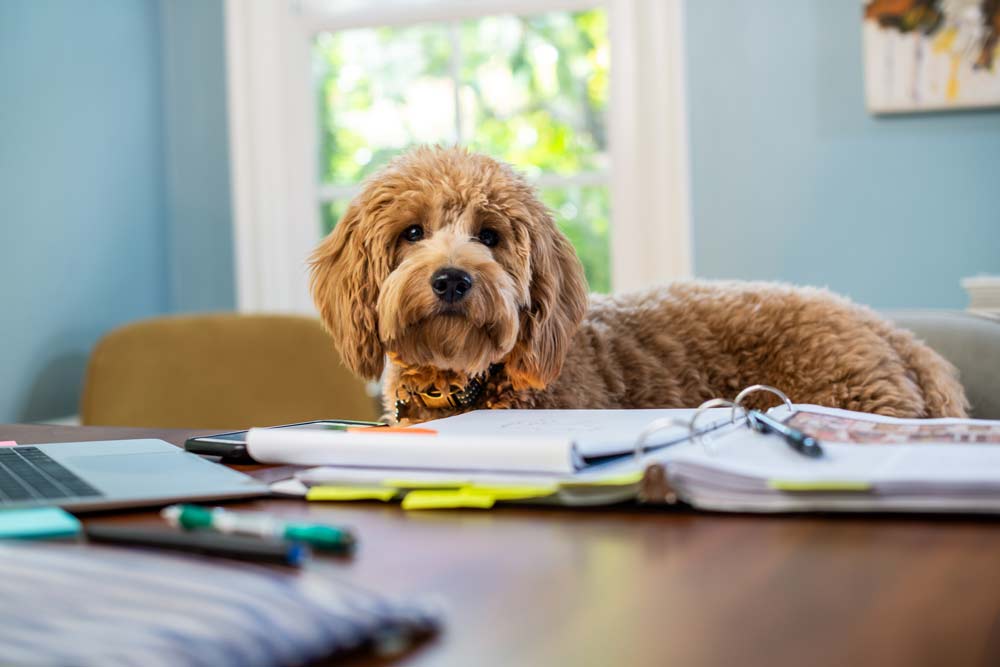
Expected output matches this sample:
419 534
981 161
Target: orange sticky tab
392 429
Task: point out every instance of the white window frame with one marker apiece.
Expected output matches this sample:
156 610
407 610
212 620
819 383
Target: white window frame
274 133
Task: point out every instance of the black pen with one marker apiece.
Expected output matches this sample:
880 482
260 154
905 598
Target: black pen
202 542
796 439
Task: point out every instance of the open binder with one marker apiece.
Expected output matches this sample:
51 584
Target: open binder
720 456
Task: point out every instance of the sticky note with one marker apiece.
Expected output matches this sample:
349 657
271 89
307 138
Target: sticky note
511 492
432 500
334 493
793 485
480 497
37 523
7 443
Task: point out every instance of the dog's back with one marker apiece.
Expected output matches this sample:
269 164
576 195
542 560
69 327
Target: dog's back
679 345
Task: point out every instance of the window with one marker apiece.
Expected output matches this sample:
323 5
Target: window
585 97
531 90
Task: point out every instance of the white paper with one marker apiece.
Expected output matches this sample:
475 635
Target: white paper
594 432
551 454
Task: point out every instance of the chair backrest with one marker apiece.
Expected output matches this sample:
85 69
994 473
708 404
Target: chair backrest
223 371
971 342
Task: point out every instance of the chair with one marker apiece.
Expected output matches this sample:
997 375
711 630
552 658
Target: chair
970 342
222 372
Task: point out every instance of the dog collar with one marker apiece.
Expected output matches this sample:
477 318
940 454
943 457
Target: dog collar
456 397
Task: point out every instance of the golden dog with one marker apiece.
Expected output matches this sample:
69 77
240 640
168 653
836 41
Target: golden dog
448 267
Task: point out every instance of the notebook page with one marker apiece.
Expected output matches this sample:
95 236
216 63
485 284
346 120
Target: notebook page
595 433
768 457
835 425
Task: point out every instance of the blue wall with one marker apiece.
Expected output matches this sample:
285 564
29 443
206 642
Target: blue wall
81 182
115 203
793 180
197 150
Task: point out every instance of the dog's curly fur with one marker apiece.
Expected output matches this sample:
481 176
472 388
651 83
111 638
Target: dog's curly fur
528 309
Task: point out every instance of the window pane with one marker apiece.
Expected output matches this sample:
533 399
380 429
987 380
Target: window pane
330 214
583 214
381 90
534 90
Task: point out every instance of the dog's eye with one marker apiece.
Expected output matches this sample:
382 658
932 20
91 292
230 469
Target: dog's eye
489 237
413 233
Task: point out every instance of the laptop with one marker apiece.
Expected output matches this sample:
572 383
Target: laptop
114 473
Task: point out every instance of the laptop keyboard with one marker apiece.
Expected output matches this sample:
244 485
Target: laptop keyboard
29 474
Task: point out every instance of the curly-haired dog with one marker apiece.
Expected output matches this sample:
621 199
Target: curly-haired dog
448 266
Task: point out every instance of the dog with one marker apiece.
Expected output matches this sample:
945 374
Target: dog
447 269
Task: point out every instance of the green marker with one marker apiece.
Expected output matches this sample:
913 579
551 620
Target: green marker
193 517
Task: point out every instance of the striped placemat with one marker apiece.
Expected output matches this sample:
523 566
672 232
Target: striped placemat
75 604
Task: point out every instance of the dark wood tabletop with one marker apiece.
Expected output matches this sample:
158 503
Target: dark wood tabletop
640 586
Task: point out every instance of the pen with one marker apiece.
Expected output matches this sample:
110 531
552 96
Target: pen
202 542
320 536
796 439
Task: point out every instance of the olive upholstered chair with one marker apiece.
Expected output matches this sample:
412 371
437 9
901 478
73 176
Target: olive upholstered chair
222 371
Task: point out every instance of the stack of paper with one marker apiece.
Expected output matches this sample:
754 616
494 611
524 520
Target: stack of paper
566 457
870 463
587 457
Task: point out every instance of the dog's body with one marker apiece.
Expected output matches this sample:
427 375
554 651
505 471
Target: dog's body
447 265
680 345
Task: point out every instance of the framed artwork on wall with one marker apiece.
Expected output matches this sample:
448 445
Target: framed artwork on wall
931 55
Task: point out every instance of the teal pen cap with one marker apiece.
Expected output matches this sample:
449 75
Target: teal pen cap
328 538
190 517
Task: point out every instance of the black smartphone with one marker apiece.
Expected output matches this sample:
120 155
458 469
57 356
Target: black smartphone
232 447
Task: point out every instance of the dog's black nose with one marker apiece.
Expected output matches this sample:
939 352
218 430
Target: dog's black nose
451 285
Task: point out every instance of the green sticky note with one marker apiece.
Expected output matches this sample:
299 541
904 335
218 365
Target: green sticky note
793 485
343 493
37 523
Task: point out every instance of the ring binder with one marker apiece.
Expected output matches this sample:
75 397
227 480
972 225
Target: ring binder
763 387
695 435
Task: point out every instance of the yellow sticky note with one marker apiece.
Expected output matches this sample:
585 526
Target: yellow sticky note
511 492
793 485
430 500
350 493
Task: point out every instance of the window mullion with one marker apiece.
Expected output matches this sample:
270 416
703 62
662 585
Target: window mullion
456 76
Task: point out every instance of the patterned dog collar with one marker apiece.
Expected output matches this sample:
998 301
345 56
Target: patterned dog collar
456 397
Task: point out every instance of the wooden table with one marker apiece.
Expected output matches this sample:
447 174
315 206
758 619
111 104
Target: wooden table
634 586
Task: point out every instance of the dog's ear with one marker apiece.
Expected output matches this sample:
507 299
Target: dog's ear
345 276
558 293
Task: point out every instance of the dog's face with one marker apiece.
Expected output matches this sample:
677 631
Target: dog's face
447 260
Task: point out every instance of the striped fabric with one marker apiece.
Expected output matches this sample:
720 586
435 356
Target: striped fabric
74 604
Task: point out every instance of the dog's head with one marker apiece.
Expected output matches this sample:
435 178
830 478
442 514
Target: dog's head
447 260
